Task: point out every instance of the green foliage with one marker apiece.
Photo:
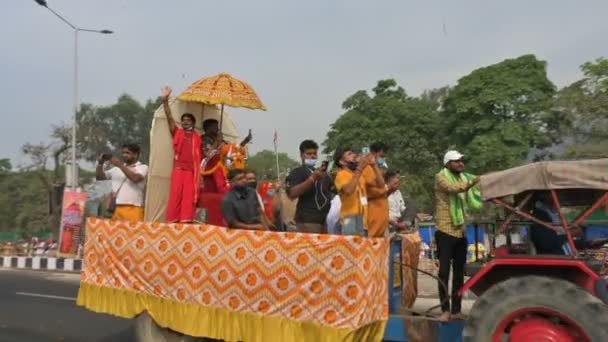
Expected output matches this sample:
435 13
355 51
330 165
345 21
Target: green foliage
105 128
409 126
23 202
264 163
597 74
26 202
584 104
497 113
5 166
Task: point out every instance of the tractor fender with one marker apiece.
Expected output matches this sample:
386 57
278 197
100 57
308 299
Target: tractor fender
501 269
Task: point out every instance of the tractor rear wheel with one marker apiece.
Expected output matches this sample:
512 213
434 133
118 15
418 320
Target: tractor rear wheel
534 308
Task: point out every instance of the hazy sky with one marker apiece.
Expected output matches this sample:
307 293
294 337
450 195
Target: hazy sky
303 57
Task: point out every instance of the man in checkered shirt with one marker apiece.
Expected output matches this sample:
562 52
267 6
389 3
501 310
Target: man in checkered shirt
450 238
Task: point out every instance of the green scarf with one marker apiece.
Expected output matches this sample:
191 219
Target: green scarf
459 203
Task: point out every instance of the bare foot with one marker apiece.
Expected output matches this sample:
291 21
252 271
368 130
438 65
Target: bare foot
458 317
444 317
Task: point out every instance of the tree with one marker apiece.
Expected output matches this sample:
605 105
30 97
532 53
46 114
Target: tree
584 105
496 114
264 163
104 129
43 186
408 125
36 200
5 166
23 204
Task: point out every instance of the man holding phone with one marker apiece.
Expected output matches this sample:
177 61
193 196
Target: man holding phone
128 178
377 193
311 186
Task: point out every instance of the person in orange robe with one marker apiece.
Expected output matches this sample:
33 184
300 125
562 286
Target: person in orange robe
185 178
377 196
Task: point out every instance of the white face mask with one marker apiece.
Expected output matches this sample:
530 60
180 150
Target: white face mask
310 162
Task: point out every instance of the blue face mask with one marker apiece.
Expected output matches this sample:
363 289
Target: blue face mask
380 161
270 193
310 162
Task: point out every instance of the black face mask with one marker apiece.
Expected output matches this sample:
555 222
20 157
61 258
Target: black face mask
253 185
241 188
352 165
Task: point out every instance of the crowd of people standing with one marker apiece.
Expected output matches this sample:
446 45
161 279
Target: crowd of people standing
357 195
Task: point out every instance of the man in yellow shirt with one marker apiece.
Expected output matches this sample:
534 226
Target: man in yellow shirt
351 185
450 235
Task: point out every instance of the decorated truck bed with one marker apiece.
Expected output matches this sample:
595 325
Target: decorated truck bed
238 285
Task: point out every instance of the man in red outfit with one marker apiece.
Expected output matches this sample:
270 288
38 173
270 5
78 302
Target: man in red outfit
186 165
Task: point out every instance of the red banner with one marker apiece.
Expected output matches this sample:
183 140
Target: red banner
72 223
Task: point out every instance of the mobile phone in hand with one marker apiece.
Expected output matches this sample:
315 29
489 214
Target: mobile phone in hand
106 157
324 165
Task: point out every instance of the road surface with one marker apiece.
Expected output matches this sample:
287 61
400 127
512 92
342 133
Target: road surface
37 306
40 306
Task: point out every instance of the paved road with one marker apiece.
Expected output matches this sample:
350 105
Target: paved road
40 306
25 316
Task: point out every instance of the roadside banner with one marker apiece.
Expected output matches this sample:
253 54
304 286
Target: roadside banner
72 223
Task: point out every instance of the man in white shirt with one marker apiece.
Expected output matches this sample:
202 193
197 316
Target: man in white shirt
128 182
396 204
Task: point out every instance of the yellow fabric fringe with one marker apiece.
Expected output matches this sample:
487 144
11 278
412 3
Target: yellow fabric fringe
202 321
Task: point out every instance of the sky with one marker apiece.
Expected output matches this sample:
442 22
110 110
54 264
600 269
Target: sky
304 58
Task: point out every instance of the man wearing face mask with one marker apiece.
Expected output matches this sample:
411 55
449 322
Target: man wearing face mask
352 185
185 178
311 186
240 206
252 183
377 224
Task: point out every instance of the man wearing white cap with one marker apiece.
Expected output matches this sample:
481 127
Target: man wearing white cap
452 195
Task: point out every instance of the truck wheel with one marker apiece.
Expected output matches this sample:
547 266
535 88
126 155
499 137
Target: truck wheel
146 330
534 308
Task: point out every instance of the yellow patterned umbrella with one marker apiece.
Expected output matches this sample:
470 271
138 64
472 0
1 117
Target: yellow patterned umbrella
222 89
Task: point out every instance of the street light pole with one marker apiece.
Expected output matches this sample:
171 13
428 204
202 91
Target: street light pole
76 29
74 121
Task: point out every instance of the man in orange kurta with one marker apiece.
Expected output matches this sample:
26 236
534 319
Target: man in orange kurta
185 178
377 196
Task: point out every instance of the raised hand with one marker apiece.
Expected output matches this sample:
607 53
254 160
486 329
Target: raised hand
364 162
165 92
